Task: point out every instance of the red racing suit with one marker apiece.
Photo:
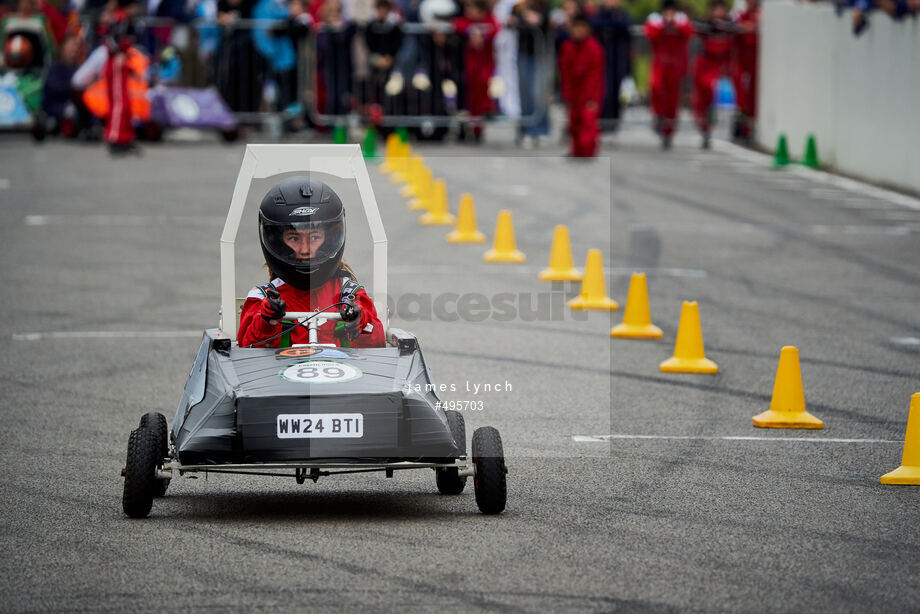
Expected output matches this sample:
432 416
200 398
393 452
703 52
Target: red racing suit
478 63
669 66
744 69
581 76
117 73
254 328
713 62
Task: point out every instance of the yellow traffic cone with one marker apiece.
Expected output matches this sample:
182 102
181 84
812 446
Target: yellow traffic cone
466 230
637 318
787 408
438 214
593 287
413 174
400 163
504 247
689 356
422 200
560 267
389 152
909 471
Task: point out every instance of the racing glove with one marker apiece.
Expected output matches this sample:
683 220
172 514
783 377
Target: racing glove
350 312
273 308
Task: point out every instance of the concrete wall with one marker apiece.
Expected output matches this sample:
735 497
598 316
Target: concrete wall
859 96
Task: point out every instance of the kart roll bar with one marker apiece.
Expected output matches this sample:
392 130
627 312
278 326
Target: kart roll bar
263 161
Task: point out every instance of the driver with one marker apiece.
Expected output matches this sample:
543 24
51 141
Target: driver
302 232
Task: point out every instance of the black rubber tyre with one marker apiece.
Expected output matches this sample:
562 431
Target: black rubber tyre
140 472
449 481
489 481
157 422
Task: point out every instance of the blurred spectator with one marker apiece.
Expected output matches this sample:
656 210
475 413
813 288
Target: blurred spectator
239 72
611 28
896 9
744 70
383 36
531 19
63 109
712 63
32 24
333 51
669 34
581 74
561 19
279 26
479 27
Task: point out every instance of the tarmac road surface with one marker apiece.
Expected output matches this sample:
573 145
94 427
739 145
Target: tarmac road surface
109 274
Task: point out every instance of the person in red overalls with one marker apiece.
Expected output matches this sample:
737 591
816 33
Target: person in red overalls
668 33
581 75
117 75
302 233
713 62
479 27
744 70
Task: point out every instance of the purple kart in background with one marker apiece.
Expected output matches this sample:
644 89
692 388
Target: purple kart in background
184 107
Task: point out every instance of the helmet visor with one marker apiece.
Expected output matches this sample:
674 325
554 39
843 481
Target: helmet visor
304 245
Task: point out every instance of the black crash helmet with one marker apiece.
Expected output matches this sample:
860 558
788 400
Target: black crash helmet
302 209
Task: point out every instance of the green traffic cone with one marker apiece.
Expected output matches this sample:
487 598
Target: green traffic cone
339 135
810 159
403 133
369 146
781 157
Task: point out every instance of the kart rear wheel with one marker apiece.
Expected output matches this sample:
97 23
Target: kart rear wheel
489 481
140 472
448 479
157 421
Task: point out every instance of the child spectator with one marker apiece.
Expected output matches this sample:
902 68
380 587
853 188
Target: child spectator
611 28
531 19
581 74
744 70
668 33
712 63
384 37
479 27
58 97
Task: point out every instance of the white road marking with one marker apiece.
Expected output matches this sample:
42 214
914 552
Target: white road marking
121 220
603 438
107 334
905 340
4 184
850 229
412 269
843 183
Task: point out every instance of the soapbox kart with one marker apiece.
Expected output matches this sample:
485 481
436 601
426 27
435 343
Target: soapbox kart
310 410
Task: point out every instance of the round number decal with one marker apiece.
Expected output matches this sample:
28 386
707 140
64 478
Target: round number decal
320 372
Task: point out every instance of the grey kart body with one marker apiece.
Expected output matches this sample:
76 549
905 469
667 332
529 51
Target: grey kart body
229 411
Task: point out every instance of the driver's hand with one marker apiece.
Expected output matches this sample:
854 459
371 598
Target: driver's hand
273 308
351 317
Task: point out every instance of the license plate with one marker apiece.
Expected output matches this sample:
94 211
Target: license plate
314 426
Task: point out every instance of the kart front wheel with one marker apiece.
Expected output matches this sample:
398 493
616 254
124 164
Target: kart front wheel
140 472
157 422
489 481
448 479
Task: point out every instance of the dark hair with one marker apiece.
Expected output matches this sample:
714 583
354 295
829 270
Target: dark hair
581 17
383 4
669 5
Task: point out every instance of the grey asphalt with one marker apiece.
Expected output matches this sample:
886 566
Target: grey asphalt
91 246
